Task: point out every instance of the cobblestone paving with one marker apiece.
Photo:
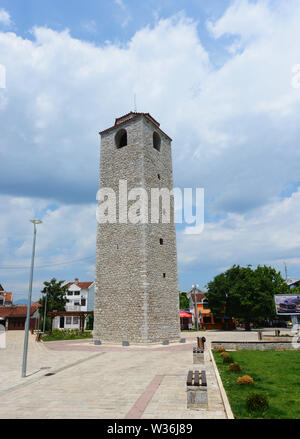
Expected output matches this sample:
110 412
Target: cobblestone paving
104 381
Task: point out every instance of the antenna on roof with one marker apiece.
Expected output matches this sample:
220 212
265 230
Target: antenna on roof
134 100
285 269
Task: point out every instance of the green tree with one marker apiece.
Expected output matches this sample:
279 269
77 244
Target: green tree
184 302
245 293
90 322
56 297
295 291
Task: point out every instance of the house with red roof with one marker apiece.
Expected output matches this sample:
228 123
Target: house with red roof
13 317
205 318
5 298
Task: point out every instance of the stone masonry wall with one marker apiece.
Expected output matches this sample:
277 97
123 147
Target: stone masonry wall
252 345
134 302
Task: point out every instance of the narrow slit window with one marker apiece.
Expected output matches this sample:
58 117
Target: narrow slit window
156 141
161 241
164 275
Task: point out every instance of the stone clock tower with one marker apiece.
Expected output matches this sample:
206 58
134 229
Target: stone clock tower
136 285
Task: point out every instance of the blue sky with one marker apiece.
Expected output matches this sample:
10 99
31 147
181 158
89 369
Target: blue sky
220 78
102 20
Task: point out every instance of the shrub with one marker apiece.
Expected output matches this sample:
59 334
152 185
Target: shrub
235 367
228 359
90 322
47 324
246 379
66 334
221 349
224 354
257 402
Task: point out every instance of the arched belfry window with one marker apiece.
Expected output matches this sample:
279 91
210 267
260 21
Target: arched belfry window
156 141
121 138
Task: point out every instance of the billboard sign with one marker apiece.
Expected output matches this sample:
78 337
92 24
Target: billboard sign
287 304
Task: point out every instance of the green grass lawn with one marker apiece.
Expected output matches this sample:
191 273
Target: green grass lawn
276 374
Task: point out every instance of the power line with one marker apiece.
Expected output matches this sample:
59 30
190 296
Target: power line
11 267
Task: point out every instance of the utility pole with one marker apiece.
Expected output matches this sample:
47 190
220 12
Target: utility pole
196 306
285 269
27 324
45 312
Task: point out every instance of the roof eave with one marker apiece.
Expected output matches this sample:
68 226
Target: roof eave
133 118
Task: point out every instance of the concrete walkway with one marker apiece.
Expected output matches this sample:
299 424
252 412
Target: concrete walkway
104 381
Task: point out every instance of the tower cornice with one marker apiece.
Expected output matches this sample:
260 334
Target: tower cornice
120 121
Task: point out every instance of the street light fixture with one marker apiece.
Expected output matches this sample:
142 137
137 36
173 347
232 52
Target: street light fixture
34 222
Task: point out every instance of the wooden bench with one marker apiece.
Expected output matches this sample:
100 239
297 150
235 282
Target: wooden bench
196 387
195 378
198 350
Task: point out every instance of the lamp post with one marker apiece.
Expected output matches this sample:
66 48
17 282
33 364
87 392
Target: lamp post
27 323
45 312
196 306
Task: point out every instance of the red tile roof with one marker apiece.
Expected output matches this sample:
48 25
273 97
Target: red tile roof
17 310
131 116
199 297
36 304
82 285
7 296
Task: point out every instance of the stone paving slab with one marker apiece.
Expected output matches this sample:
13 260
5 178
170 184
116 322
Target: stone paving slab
117 383
39 360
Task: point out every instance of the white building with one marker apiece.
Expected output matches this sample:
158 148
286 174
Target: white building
293 283
80 297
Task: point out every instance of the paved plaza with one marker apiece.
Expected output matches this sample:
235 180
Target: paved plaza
108 381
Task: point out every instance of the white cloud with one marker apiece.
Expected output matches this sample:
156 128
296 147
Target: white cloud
120 3
235 129
125 16
246 19
90 26
269 235
68 233
66 90
5 18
